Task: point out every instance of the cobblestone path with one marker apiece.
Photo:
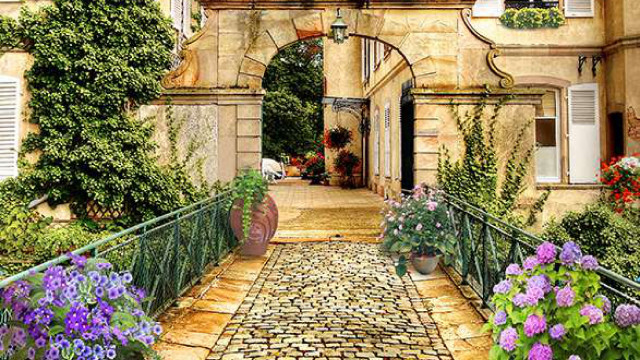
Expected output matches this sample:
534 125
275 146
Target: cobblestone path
330 300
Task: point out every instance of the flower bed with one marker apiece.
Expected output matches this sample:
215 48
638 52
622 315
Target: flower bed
81 312
550 308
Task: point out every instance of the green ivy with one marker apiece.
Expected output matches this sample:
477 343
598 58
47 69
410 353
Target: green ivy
95 63
528 18
474 177
251 188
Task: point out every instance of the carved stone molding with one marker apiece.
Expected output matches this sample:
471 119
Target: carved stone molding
184 74
506 79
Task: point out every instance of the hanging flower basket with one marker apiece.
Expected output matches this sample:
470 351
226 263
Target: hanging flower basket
337 137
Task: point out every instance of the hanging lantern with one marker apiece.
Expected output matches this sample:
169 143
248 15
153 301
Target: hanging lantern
339 29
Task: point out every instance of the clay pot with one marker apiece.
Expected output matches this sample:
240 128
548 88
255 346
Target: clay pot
425 264
264 223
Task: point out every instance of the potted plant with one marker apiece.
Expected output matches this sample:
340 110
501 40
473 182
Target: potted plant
621 176
254 214
337 137
345 163
416 227
315 167
84 311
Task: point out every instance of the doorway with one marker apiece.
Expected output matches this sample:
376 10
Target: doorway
407 132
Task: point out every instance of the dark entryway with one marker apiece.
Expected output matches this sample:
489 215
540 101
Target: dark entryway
407 136
615 135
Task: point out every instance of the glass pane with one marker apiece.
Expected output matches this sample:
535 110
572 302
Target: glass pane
548 106
547 163
546 132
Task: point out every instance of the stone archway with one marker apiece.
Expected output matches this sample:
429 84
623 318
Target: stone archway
223 65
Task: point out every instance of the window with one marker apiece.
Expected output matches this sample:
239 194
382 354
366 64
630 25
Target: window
186 17
536 4
615 135
9 117
387 140
177 13
376 143
366 60
584 134
488 8
547 125
579 8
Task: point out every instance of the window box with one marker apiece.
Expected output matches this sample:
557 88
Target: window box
535 4
532 18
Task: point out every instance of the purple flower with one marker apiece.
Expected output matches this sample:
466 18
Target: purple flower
589 263
540 351
546 253
627 315
500 318
514 269
77 260
534 325
76 319
104 266
508 338
534 295
594 314
565 296
530 263
557 331
502 287
520 300
571 253
540 281
574 357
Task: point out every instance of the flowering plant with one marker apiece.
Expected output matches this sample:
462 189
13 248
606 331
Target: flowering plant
82 312
337 137
417 225
621 176
549 308
315 164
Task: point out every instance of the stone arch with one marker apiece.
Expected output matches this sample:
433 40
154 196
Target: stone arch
235 47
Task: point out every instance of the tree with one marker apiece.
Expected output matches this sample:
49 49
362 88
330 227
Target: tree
292 116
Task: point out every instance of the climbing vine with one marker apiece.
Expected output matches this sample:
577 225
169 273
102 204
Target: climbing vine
476 177
95 62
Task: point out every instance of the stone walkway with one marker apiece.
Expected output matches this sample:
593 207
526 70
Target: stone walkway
318 296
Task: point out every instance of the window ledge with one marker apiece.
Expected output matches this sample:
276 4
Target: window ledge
569 186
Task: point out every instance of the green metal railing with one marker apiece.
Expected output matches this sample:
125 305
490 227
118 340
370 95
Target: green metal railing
487 245
166 255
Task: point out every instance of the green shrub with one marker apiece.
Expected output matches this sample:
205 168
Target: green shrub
528 18
613 239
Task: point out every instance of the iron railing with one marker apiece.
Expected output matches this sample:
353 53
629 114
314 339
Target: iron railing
166 255
487 245
535 4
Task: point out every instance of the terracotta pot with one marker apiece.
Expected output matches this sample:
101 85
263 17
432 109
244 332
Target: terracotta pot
425 264
264 223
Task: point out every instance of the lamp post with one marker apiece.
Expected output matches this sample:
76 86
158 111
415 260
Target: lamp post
339 29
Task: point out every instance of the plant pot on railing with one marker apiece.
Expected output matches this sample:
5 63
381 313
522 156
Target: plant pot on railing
264 222
253 224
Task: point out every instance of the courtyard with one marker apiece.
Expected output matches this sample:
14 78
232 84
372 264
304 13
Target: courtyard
325 292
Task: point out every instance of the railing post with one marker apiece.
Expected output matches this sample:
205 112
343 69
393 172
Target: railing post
485 261
176 248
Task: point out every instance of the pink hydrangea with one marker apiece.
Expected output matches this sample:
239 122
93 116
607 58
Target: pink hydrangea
565 296
594 314
546 253
540 351
508 338
535 325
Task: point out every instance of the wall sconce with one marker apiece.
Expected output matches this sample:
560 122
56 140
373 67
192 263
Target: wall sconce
339 29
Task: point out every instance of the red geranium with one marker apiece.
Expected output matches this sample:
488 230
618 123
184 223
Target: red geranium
621 176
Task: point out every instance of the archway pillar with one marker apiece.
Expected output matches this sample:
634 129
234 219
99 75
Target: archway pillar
435 123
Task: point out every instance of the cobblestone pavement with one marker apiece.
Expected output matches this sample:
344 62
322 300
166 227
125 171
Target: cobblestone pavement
331 300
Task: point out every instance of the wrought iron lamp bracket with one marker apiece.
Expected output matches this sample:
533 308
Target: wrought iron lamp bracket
596 59
582 59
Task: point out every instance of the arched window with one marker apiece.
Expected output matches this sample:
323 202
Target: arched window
9 117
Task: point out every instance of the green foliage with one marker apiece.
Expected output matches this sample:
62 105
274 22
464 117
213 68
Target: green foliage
95 62
528 18
613 239
251 188
475 177
288 126
416 225
8 33
292 115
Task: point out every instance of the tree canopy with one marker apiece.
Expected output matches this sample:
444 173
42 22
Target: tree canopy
292 116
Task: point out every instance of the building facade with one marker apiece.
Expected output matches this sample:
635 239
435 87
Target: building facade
393 83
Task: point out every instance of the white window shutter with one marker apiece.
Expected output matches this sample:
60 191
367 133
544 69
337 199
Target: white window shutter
579 8
488 8
584 134
186 17
376 143
177 13
9 117
387 140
